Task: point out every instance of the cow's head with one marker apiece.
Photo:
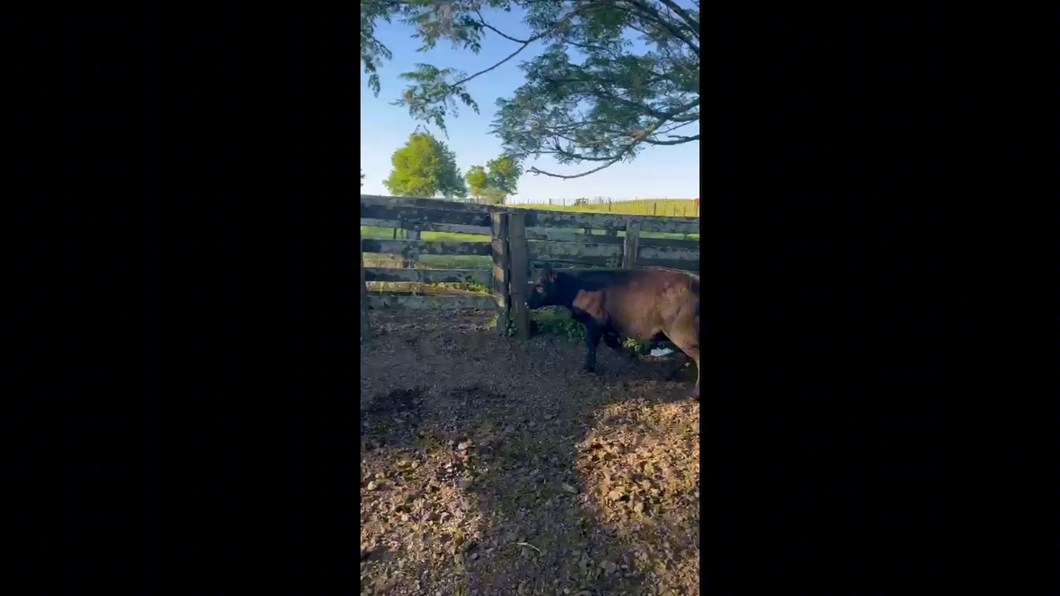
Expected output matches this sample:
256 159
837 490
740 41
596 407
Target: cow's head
544 291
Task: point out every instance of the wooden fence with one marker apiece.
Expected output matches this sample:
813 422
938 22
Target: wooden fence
521 241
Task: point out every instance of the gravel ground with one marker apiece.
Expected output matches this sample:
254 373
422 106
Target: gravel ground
494 467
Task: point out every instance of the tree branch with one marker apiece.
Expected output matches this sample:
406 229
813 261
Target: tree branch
482 20
525 43
534 170
638 139
679 140
652 15
693 25
482 72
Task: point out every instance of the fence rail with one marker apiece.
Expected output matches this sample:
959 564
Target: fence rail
428 276
520 242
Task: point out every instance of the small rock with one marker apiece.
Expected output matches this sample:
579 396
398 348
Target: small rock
404 517
463 446
371 486
463 482
608 566
615 495
509 429
568 488
474 556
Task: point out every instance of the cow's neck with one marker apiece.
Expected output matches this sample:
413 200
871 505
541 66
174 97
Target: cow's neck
568 290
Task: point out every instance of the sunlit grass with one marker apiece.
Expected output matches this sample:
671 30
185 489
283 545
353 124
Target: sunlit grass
659 207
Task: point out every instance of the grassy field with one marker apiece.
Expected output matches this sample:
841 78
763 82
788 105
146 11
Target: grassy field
388 233
660 207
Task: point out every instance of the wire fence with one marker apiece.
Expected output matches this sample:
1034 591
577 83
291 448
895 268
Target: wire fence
647 206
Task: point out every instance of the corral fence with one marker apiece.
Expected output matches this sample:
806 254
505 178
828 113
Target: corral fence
521 242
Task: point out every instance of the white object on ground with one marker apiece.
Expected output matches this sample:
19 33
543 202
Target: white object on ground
662 352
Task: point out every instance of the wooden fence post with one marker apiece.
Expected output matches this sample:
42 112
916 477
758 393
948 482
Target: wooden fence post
501 269
366 326
629 247
520 270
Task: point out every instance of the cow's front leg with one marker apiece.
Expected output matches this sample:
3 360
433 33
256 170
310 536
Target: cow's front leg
614 342
592 339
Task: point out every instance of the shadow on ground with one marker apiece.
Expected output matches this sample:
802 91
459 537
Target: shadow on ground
493 467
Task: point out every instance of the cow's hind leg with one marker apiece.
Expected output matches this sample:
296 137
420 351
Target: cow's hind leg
687 340
680 360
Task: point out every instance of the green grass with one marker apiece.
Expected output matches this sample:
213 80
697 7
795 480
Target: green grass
660 207
670 235
388 234
557 321
431 261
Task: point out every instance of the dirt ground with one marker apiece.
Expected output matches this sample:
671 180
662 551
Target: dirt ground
494 467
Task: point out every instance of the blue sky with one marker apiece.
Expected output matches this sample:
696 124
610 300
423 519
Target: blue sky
658 171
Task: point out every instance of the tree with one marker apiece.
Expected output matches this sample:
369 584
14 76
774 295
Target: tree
504 174
476 180
425 167
499 183
601 106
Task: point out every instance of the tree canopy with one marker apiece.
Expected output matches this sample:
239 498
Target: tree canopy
477 180
615 76
496 185
424 168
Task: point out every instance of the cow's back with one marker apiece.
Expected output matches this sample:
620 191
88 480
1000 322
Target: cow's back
642 303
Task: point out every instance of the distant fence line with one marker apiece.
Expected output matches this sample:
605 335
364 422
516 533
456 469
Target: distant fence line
664 206
522 241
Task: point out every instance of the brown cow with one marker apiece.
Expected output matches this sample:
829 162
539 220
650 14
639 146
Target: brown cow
646 304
